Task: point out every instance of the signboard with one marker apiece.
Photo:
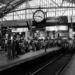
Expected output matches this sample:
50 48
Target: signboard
15 23
61 19
19 29
9 23
21 23
70 1
52 20
71 19
71 33
51 28
57 28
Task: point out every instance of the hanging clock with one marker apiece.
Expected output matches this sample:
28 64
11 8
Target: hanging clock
38 16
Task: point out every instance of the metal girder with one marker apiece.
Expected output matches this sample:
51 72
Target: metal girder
46 4
55 3
41 1
12 7
29 6
6 6
43 8
18 15
62 3
64 11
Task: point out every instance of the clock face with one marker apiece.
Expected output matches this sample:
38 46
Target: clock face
38 16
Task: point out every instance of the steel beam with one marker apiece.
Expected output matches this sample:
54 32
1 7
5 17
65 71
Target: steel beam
43 8
7 5
55 3
18 15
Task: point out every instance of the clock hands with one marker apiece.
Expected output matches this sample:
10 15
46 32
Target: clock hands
38 16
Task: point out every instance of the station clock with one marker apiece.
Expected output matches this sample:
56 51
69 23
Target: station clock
38 16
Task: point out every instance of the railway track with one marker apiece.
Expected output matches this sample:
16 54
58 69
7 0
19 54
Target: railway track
54 67
48 66
30 67
41 65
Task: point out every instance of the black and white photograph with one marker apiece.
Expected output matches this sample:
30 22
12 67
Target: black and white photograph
37 37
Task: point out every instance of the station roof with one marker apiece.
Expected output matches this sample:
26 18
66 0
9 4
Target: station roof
8 5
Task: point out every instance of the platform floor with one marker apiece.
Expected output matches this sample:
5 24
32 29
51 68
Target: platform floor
70 68
5 63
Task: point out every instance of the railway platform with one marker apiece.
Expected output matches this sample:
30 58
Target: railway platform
70 68
5 63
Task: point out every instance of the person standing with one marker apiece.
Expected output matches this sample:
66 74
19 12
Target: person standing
13 48
17 47
45 45
9 49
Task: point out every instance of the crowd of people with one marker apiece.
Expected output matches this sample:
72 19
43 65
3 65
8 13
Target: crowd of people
16 47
